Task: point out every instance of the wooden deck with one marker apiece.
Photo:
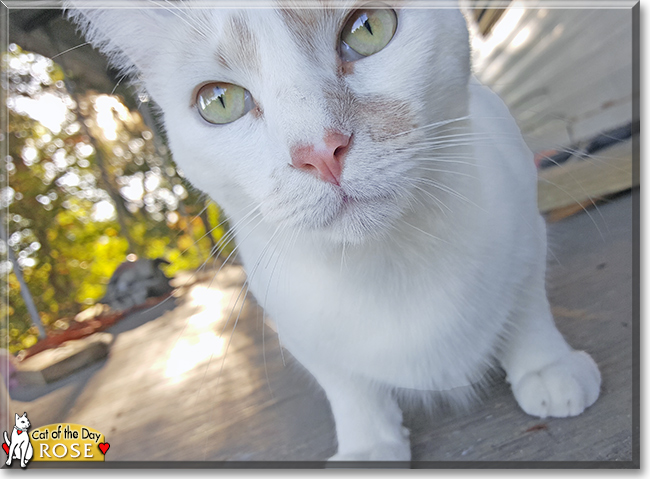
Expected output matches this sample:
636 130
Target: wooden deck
162 394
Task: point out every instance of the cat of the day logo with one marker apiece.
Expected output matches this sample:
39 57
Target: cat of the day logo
54 442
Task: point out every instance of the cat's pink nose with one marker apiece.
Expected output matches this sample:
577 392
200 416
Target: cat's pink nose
323 161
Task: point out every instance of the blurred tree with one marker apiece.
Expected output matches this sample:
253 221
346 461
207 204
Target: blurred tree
88 183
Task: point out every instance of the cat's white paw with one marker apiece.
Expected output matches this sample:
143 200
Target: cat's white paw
397 451
563 388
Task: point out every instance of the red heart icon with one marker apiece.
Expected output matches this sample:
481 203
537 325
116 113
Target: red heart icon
19 431
5 447
103 446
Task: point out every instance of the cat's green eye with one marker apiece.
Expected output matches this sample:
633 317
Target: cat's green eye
366 32
221 103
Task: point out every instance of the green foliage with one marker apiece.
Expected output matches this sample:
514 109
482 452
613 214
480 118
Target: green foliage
87 184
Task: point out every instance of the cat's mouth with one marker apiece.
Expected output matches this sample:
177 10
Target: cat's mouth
348 213
359 218
349 202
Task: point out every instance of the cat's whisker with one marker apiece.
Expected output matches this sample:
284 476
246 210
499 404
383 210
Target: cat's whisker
118 84
245 286
431 125
563 190
442 123
343 261
579 183
443 161
470 135
450 158
220 268
439 203
216 250
258 215
190 222
71 49
451 172
224 328
279 255
174 11
410 198
450 143
449 190
290 247
284 251
426 233
226 237
209 232
198 15
245 282
582 156
212 252
439 146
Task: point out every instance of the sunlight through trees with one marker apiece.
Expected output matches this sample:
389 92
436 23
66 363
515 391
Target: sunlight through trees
86 182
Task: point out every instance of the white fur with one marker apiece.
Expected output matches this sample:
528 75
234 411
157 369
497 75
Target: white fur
378 285
19 447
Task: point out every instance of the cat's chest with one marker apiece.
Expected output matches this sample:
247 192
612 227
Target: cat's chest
376 322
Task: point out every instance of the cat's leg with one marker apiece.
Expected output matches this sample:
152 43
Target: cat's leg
368 419
548 377
30 451
12 450
23 454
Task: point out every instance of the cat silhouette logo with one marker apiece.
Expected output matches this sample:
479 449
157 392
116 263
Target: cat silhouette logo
19 447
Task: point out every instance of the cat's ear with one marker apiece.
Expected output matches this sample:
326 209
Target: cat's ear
17 416
128 36
24 414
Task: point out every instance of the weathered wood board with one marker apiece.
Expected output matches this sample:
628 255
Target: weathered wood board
585 181
162 394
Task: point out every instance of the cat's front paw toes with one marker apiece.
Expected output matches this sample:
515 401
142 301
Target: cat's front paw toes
563 388
398 451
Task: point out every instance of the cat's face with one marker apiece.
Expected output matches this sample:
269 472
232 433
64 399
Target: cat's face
306 100
22 422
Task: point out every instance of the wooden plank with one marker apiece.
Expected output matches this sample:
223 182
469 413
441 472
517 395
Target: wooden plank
581 182
489 19
162 395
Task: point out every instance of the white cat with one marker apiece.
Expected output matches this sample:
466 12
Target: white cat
19 447
384 201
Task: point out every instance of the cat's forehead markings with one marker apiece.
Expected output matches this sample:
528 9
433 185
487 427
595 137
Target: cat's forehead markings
341 103
222 59
238 47
311 25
